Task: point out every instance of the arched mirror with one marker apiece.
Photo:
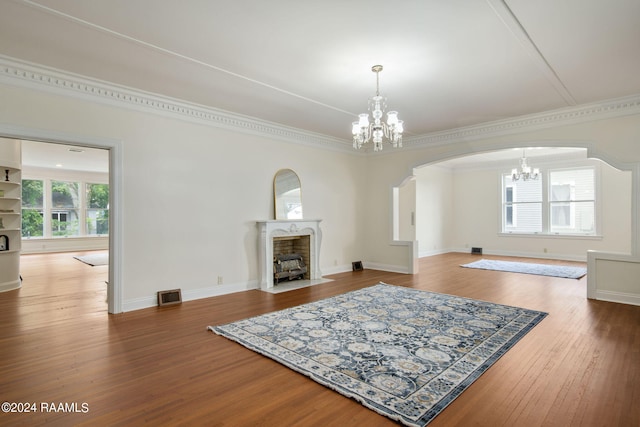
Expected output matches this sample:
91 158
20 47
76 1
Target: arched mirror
287 195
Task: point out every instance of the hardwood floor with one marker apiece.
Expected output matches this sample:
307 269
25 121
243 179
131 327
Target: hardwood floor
160 366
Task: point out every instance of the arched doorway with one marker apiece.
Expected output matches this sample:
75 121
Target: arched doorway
458 206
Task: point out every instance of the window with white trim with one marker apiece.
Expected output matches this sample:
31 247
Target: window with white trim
560 202
572 201
522 205
55 208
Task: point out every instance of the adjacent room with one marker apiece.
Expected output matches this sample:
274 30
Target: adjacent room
320 214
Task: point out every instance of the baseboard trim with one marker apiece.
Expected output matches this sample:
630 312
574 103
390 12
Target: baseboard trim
553 256
424 254
10 286
190 295
336 269
619 297
387 267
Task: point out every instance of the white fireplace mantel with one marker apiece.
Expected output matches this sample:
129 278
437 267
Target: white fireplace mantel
279 228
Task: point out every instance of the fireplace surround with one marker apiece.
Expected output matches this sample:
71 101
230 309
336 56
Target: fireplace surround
275 229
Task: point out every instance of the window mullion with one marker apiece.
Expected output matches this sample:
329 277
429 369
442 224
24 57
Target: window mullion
546 206
48 203
82 208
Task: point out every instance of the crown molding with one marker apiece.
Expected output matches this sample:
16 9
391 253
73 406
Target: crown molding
608 109
38 77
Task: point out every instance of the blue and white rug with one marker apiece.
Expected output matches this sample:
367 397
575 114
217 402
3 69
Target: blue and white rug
563 271
402 352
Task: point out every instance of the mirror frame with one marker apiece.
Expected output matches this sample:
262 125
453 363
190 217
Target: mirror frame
278 201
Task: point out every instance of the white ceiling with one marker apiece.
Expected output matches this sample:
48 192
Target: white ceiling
64 157
510 158
308 64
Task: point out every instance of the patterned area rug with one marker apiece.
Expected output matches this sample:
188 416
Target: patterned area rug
402 352
563 271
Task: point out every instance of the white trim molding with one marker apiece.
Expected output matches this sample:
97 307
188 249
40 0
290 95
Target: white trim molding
619 107
116 228
607 268
34 76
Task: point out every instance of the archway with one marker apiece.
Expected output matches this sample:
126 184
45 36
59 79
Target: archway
626 261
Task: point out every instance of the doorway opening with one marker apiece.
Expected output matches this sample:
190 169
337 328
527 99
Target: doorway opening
96 215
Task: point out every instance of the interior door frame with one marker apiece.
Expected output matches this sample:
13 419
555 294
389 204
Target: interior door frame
115 147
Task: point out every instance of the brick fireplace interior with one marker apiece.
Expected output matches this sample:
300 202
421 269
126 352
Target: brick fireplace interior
284 245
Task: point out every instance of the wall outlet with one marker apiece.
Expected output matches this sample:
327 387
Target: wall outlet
545 250
220 280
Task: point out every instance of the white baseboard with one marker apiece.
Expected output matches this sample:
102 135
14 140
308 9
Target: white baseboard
387 267
213 291
190 295
553 256
424 254
10 286
336 269
66 244
620 297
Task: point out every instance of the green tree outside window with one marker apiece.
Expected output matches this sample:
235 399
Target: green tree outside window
97 209
32 208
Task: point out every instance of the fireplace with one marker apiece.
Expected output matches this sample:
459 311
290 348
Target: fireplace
285 237
293 245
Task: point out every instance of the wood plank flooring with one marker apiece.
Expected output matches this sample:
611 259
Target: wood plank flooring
160 366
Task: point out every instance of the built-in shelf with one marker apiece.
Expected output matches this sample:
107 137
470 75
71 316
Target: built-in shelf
10 202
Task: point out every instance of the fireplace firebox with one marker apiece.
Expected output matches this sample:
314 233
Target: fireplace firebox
284 237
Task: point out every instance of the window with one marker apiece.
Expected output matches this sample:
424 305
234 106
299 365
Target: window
64 202
522 206
508 206
53 208
572 201
566 206
97 212
32 208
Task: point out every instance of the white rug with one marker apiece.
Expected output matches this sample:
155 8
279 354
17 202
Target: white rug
563 271
94 259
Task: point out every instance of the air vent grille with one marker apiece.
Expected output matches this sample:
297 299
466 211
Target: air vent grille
170 297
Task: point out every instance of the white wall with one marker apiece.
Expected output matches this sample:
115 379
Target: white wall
406 206
191 193
477 215
613 139
220 174
435 221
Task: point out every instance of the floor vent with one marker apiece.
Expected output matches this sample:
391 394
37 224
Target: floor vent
477 251
171 297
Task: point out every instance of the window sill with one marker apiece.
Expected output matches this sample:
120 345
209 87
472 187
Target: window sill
91 236
554 236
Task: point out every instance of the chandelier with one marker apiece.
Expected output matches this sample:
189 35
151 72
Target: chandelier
525 171
378 131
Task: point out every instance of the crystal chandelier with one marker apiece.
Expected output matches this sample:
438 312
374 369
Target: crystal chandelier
391 130
525 171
